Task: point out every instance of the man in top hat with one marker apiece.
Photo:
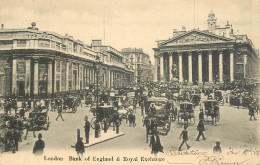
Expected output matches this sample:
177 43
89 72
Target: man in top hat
200 128
87 129
39 145
201 114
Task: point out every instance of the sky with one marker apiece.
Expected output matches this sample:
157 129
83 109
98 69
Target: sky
130 23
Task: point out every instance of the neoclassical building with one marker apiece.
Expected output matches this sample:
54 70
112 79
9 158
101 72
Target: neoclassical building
213 55
140 62
40 63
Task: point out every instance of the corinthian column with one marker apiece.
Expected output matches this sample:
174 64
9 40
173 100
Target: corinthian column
14 77
231 65
220 65
161 68
245 65
180 67
190 66
200 67
155 68
50 77
170 67
210 66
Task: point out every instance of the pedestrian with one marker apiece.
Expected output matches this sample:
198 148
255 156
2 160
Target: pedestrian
39 145
97 129
22 113
52 105
142 108
217 148
201 114
87 129
251 111
80 147
155 143
184 135
152 109
59 113
16 138
200 128
117 126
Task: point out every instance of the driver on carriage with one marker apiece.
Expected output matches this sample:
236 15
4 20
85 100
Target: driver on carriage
152 109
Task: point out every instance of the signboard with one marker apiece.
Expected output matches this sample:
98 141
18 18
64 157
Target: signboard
131 94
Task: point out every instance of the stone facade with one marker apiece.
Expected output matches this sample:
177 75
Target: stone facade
140 62
205 56
39 63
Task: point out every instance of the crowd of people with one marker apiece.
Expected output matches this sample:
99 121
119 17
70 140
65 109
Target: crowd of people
14 120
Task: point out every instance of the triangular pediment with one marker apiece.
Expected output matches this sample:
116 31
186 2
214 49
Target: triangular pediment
195 37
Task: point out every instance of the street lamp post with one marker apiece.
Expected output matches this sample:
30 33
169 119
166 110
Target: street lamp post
97 66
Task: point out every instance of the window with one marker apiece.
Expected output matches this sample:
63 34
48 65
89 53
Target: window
21 43
52 44
6 44
70 47
44 43
75 48
58 46
64 47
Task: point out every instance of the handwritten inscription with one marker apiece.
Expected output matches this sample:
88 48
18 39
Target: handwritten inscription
218 160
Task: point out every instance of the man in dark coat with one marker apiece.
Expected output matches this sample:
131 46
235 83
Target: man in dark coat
97 130
152 109
201 115
59 113
39 145
155 143
200 128
80 147
87 129
251 111
184 135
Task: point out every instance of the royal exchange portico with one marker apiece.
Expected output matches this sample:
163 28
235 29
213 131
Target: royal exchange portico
197 57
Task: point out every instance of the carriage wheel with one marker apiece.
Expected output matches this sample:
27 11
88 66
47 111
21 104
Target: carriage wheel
105 120
93 122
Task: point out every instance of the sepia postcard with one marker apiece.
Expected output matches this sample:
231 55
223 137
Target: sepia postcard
129 82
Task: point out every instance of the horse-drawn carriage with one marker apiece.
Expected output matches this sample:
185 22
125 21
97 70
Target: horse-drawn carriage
160 113
219 96
106 115
186 113
234 99
11 130
211 109
195 98
71 103
41 119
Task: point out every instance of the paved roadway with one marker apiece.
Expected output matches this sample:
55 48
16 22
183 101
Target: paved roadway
234 130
